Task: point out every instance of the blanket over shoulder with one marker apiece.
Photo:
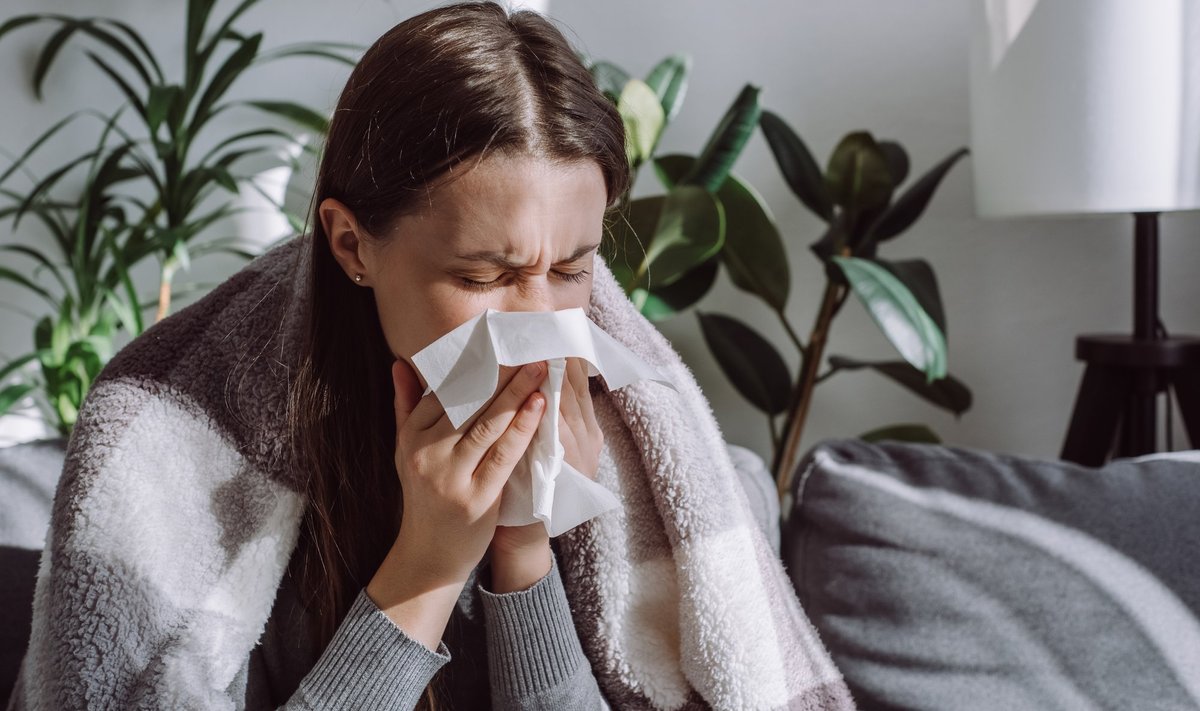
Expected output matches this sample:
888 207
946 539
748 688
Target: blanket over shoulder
178 508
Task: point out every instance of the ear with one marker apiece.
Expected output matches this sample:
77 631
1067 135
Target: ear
346 239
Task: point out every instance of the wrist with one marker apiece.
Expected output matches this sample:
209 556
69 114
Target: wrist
418 603
520 569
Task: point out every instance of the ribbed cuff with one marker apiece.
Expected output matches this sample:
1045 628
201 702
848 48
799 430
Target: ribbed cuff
371 663
531 638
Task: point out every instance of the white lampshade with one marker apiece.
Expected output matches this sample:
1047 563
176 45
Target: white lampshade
1085 106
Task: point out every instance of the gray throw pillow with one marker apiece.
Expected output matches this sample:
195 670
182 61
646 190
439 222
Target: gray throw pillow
28 479
949 578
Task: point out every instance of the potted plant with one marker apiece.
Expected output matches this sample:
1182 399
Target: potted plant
100 235
666 251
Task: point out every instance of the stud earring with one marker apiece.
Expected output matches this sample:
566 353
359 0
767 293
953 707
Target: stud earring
357 278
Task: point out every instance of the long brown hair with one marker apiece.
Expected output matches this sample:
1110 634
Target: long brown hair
444 87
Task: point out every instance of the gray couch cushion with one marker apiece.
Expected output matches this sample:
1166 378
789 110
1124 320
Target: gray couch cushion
28 478
948 578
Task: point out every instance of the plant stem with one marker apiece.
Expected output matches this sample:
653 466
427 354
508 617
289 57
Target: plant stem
164 290
787 326
841 301
802 396
826 376
164 299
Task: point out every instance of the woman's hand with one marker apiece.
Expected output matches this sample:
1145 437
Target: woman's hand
451 483
520 555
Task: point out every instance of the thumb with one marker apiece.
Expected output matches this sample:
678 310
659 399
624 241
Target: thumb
407 390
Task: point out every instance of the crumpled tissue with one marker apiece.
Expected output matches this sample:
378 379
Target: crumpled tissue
463 368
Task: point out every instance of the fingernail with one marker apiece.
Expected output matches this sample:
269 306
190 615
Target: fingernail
535 369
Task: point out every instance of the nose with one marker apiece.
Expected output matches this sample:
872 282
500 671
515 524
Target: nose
535 296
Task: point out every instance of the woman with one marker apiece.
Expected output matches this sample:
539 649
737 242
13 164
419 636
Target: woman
265 457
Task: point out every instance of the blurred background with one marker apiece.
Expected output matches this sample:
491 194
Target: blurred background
1016 291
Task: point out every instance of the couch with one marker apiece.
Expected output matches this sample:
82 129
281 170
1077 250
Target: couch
937 577
949 578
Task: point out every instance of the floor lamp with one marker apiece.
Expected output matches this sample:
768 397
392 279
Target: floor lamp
1083 107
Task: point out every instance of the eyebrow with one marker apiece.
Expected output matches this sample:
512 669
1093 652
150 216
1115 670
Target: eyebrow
499 259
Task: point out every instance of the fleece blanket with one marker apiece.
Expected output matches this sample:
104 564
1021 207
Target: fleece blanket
178 508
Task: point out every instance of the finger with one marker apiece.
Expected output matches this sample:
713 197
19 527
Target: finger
430 412
406 391
497 416
581 395
428 409
502 457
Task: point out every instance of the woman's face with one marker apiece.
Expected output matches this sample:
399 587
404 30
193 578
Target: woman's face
511 234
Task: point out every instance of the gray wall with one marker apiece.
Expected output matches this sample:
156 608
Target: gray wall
1016 291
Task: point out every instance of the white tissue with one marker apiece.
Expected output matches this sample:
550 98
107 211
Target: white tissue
463 368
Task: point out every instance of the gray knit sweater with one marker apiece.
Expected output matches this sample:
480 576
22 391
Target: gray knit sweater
516 650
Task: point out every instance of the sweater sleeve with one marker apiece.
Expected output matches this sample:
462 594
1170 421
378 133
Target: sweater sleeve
371 663
535 660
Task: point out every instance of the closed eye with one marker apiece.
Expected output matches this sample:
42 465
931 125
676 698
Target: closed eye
578 276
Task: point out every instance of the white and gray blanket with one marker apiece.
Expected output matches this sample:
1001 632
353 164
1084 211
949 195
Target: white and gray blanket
178 508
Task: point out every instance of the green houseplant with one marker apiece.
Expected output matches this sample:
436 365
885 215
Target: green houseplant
667 249
91 239
101 234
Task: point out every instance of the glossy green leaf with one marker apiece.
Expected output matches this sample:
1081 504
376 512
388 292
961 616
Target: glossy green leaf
669 80
325 50
223 78
197 16
753 253
857 175
918 276
92 28
67 409
610 78
140 45
667 301
915 433
50 51
128 91
728 139
629 236
897 160
19 21
11 395
643 116
243 136
750 362
47 135
301 115
690 229
20 279
902 213
42 260
224 30
15 364
948 393
801 172
161 98
898 314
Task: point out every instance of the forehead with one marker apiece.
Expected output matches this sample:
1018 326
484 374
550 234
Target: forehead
505 202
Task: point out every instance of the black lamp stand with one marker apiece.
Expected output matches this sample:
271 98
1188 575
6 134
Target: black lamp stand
1117 399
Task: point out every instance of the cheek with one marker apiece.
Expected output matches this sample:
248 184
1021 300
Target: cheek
574 295
416 315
